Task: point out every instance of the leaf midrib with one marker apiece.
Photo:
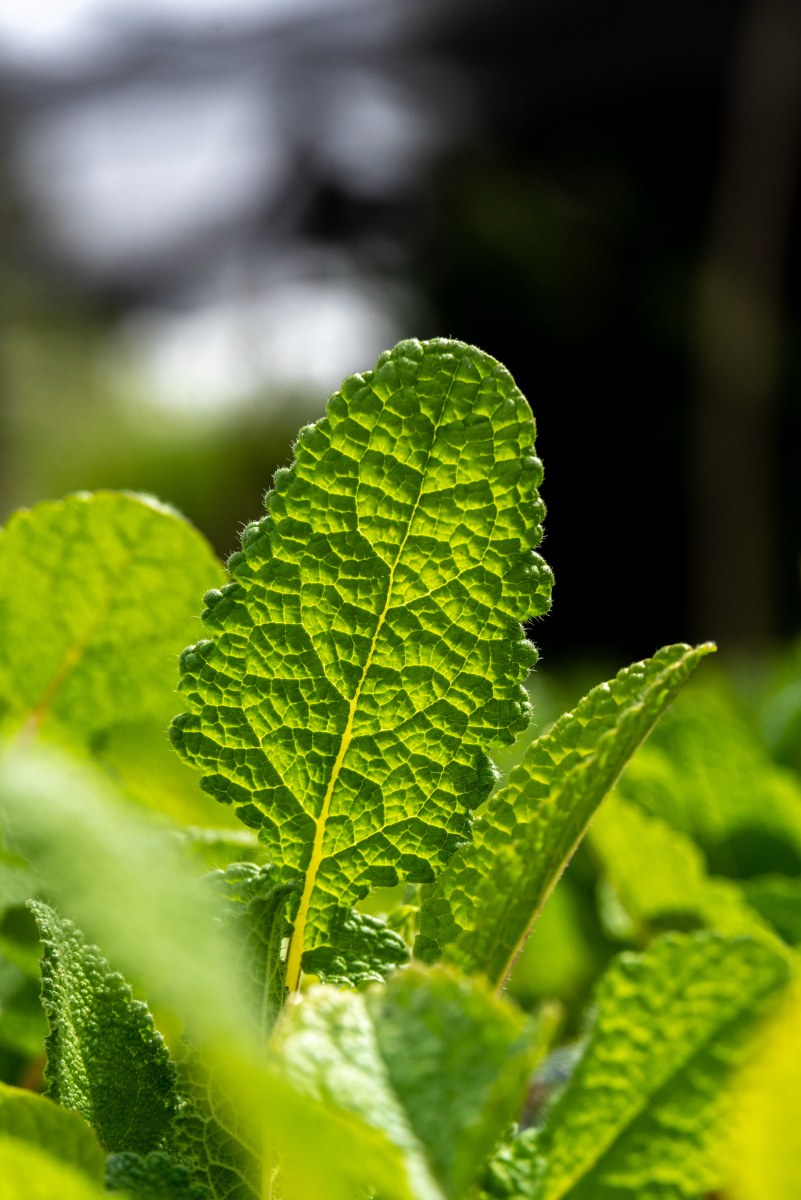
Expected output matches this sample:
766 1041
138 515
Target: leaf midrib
296 944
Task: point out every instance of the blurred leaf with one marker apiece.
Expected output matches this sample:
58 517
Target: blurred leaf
156 1177
558 959
458 1060
97 596
660 876
705 772
778 900
125 884
492 891
63 1134
358 766
27 1172
105 1059
16 886
764 1149
328 1050
639 1115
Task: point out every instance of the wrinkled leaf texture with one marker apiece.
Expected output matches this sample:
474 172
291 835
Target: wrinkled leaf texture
369 654
486 900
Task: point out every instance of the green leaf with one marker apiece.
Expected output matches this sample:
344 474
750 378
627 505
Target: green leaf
639 1116
778 900
27 1172
762 1147
705 773
366 952
660 876
221 1146
458 1060
65 1135
97 595
105 1059
492 891
156 1177
369 654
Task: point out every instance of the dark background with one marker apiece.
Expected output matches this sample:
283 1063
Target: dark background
555 183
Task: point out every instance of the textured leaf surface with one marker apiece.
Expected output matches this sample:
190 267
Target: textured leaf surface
155 1177
639 1115
105 1059
97 594
64 1135
491 892
28 1173
660 876
369 654
458 1061
220 1145
327 1050
764 1149
366 952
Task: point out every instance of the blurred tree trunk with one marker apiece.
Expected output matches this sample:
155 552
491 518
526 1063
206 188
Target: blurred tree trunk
739 333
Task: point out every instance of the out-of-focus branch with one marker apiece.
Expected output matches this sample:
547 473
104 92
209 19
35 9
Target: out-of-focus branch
739 333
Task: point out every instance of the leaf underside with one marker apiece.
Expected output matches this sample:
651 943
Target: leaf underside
492 890
105 1059
370 654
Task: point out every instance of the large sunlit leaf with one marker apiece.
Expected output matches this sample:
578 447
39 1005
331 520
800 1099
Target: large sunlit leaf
27 1172
369 654
486 900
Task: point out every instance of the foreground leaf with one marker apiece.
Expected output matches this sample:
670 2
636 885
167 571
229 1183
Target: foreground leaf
27 1172
105 1059
764 1150
493 890
639 1116
459 1062
64 1135
97 594
369 654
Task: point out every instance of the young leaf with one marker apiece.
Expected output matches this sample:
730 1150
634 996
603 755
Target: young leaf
369 653
639 1116
492 891
65 1135
97 594
660 876
156 1177
27 1172
105 1059
458 1061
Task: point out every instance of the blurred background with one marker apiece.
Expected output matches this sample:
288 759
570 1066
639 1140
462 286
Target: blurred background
213 210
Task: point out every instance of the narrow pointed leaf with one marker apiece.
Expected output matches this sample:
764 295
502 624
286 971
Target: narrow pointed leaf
105 1059
491 892
369 654
640 1114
